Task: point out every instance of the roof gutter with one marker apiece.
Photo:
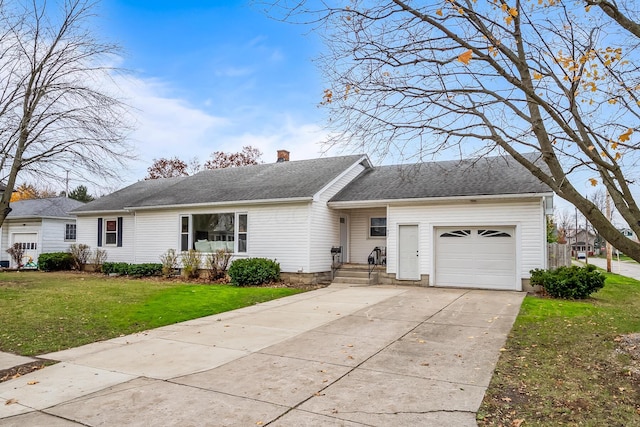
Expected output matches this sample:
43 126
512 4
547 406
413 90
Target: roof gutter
30 217
415 201
99 212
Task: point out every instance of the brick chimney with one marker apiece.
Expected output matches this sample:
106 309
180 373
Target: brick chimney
283 156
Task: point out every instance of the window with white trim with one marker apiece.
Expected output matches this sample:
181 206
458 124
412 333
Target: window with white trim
111 232
70 232
377 227
214 231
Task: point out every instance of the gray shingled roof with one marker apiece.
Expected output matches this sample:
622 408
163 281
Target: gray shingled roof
128 196
476 177
54 207
286 180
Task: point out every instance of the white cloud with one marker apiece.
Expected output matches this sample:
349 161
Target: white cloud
168 126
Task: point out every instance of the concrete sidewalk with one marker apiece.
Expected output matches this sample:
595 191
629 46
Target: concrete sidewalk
335 356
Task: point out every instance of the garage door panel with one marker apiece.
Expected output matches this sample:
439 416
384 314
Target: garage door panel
476 257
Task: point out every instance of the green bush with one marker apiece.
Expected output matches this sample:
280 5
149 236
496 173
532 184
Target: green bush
115 268
253 271
55 261
569 282
136 270
148 269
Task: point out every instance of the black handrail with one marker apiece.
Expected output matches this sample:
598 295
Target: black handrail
371 260
336 262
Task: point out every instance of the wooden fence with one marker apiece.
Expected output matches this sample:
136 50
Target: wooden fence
558 255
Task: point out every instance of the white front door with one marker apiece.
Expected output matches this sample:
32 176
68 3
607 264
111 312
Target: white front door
29 243
408 253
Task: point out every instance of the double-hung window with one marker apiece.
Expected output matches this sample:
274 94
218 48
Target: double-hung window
70 232
377 227
111 232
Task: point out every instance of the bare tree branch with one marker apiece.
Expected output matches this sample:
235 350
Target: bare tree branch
55 111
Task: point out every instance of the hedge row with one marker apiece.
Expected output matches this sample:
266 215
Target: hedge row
136 270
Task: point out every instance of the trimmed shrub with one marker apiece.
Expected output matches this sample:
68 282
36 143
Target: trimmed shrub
115 268
569 282
253 271
146 270
135 270
55 261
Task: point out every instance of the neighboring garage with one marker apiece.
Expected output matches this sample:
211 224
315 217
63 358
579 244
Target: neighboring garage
476 257
29 243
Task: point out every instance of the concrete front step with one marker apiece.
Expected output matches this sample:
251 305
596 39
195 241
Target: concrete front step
355 277
355 274
356 280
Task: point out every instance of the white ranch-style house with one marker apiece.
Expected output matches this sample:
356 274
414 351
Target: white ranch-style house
474 223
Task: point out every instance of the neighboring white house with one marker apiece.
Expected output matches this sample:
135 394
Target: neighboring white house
40 226
474 223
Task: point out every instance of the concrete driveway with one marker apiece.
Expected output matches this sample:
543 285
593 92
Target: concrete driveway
351 356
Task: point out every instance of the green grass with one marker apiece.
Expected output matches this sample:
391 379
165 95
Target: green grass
45 312
560 365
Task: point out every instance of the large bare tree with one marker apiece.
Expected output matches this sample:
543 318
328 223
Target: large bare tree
57 111
556 77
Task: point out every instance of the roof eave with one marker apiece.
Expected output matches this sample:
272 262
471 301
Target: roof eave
414 201
225 203
32 217
100 212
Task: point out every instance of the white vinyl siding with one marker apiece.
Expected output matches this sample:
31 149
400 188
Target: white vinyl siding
361 244
277 232
87 233
526 216
324 224
53 235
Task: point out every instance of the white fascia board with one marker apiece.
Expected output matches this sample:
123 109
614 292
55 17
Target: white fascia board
101 213
24 218
392 202
363 159
227 203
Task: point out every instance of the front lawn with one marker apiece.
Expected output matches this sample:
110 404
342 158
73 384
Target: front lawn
45 312
561 364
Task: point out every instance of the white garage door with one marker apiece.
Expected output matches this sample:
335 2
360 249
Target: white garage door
476 257
29 243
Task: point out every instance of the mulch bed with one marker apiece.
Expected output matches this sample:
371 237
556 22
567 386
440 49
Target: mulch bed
18 371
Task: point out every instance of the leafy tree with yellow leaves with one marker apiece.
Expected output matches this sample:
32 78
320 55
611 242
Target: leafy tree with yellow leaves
478 77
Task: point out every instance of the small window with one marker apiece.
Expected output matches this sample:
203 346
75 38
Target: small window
242 233
456 233
493 233
70 232
377 227
184 233
111 232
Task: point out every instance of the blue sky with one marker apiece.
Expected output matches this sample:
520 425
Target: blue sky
206 76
